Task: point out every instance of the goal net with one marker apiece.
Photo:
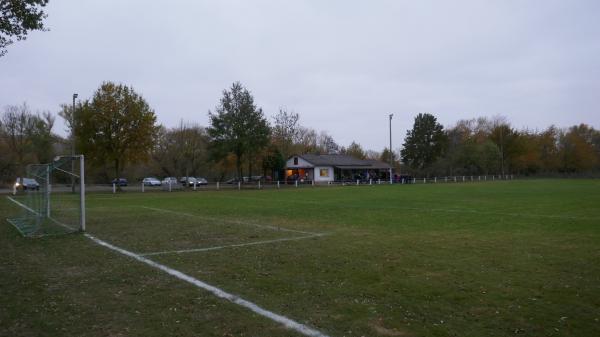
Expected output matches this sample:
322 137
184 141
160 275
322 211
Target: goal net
51 198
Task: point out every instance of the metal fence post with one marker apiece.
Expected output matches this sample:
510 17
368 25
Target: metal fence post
296 183
82 193
239 185
114 188
217 185
277 184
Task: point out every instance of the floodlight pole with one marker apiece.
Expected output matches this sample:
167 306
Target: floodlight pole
73 143
391 153
82 193
48 190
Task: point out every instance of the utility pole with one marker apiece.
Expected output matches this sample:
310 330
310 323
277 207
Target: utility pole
73 144
391 153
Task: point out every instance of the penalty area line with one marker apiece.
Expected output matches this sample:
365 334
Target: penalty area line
287 322
195 250
235 222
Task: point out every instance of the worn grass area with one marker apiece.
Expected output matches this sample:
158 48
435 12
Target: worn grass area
480 259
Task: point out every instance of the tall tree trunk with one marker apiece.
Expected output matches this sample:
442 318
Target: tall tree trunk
238 165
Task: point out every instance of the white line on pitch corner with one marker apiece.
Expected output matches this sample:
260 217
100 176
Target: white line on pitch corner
23 205
194 250
38 214
287 322
228 221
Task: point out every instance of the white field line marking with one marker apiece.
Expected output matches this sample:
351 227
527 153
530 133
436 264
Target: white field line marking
194 250
525 215
446 210
229 221
23 205
288 323
38 214
425 209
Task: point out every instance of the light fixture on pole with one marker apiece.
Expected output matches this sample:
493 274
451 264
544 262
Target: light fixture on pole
391 153
73 143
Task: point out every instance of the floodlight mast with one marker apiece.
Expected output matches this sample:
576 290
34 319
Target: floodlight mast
73 142
82 193
391 153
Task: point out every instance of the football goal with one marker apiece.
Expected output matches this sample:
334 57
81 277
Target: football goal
51 198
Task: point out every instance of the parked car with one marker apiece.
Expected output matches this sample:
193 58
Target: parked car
120 181
151 181
201 181
170 181
187 181
27 184
235 180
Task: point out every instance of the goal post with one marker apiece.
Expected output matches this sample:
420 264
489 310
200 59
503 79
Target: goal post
51 198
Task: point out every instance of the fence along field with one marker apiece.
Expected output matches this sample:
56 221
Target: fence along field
502 258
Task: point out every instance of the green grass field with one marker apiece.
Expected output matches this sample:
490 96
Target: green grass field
510 258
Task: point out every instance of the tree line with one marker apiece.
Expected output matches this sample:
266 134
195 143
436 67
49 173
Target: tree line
118 132
492 146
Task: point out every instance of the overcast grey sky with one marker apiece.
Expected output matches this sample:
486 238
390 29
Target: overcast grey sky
342 65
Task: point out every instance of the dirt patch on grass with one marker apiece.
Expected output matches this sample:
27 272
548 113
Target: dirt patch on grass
383 331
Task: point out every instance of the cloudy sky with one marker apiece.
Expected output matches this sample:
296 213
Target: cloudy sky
342 65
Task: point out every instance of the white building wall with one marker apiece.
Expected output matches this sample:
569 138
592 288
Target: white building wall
301 163
319 178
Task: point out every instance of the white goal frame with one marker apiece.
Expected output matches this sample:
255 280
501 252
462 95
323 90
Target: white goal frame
81 177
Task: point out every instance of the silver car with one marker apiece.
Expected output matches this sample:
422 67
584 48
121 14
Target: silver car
151 181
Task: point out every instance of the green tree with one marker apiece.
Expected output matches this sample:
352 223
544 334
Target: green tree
548 149
326 144
237 126
117 127
27 137
285 131
424 143
17 18
181 151
577 149
354 150
273 162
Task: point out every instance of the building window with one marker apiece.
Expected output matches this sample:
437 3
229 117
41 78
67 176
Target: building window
324 172
295 160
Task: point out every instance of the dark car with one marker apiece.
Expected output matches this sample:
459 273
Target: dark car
236 180
27 184
120 181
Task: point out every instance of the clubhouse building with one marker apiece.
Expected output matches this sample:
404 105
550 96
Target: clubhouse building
325 168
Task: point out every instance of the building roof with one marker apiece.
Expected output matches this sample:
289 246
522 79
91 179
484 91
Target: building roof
343 161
